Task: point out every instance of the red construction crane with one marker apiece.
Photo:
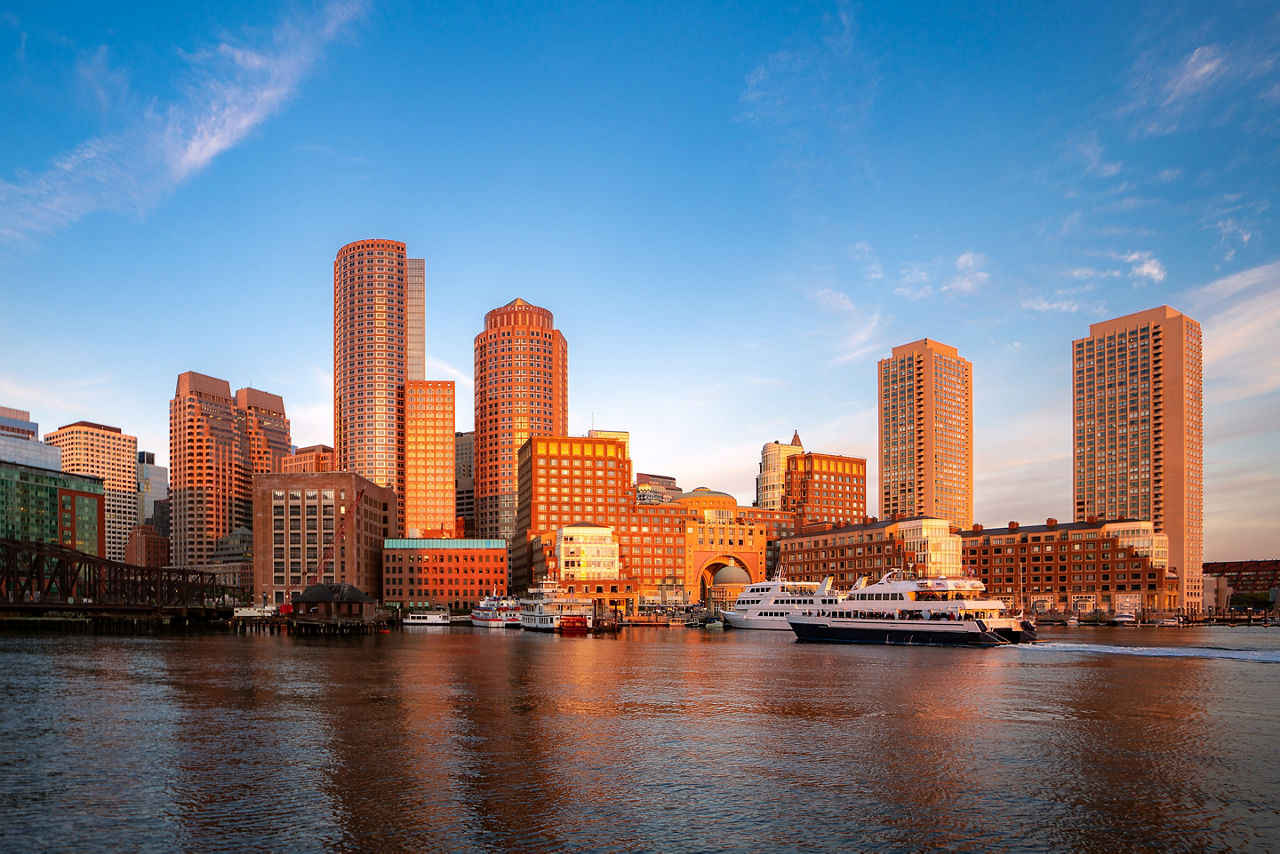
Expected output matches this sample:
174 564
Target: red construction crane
338 536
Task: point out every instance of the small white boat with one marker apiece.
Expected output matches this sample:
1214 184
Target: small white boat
1072 621
1169 623
1123 619
548 608
437 616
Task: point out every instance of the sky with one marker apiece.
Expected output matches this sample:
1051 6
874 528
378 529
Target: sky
734 210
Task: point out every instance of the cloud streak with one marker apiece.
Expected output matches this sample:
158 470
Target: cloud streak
232 89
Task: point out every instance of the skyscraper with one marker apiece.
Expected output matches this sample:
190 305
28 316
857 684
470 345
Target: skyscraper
771 482
522 390
429 510
108 453
217 443
1138 432
925 394
378 346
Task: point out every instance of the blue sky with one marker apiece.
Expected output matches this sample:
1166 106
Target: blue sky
733 210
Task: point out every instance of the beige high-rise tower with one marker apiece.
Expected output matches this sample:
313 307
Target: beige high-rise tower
771 482
925 394
1138 432
110 454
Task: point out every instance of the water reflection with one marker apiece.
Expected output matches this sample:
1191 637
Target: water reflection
660 739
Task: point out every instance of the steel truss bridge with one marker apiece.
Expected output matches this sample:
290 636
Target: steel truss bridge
37 578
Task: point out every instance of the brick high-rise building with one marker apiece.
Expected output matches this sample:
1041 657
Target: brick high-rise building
108 453
430 509
217 443
925 394
313 458
378 346
522 390
1138 432
826 488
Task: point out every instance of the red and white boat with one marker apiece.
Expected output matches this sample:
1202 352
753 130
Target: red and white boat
496 612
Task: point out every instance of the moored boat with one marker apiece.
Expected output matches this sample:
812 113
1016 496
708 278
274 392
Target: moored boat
497 612
767 604
548 608
1123 620
903 608
437 616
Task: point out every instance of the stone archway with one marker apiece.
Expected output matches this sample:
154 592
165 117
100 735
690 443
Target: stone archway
724 574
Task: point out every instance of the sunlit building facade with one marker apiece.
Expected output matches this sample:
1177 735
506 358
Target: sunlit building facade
455 573
925 395
430 509
43 506
110 454
825 488
771 482
313 458
521 390
1138 432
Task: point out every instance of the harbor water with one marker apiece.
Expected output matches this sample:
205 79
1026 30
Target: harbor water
658 739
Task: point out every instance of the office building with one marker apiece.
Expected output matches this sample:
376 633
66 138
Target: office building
1138 432
825 488
923 544
107 453
153 486
925 395
430 473
771 482
522 390
20 441
312 458
656 488
146 547
44 506
456 573
464 482
379 340
318 528
217 443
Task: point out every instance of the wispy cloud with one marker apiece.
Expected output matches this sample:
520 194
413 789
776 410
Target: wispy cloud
1240 316
1040 303
232 89
1145 265
969 273
1090 150
857 328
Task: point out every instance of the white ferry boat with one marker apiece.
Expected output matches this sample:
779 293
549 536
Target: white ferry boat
497 612
437 616
903 608
767 604
547 608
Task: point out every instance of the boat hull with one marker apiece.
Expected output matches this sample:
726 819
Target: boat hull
746 621
971 634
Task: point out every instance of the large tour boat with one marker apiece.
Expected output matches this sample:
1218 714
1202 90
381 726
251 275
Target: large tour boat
767 604
904 608
497 612
548 608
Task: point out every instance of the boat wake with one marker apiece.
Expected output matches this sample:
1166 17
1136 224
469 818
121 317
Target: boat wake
1266 656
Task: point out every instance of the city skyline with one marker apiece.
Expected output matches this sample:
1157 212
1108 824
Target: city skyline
732 216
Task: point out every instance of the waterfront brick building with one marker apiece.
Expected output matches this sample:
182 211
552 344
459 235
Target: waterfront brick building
1138 431
217 443
673 550
521 390
1246 576
379 336
925 544
925 396
43 506
298 517
108 453
430 469
309 459
1077 567
456 573
825 488
146 547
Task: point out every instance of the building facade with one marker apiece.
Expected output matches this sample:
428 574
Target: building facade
656 488
825 488
318 528
20 441
924 544
1074 568
43 506
430 471
456 573
925 396
312 458
147 547
378 339
217 443
771 482
522 390
153 486
107 453
1138 431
